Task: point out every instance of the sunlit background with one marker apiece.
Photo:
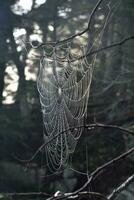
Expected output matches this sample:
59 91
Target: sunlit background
24 24
11 78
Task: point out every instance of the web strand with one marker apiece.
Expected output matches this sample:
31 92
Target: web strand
64 88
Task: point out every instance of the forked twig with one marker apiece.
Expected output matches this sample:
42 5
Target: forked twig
93 175
115 44
80 193
77 34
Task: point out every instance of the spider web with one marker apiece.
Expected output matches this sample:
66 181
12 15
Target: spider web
64 83
64 91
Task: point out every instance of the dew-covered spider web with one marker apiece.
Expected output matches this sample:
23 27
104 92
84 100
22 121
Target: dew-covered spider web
64 83
64 87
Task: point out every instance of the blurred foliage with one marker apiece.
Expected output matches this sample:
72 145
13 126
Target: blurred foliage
111 98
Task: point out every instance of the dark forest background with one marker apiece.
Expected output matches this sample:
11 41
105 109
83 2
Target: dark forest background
111 99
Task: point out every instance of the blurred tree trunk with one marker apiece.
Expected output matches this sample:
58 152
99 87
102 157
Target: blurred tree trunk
21 92
5 17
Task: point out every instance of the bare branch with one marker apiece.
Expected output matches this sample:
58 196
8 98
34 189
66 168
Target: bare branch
120 43
89 127
92 176
115 44
27 194
122 187
57 195
84 194
77 34
101 169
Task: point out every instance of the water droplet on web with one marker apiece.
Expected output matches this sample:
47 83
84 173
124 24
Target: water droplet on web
59 91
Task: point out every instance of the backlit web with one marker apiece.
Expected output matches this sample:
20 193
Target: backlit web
63 83
64 86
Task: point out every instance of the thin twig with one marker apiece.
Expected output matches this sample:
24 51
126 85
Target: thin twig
90 126
115 44
88 195
95 194
94 174
27 194
105 48
100 169
122 187
74 35
42 194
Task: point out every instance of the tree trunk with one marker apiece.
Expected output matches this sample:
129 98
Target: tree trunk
21 93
